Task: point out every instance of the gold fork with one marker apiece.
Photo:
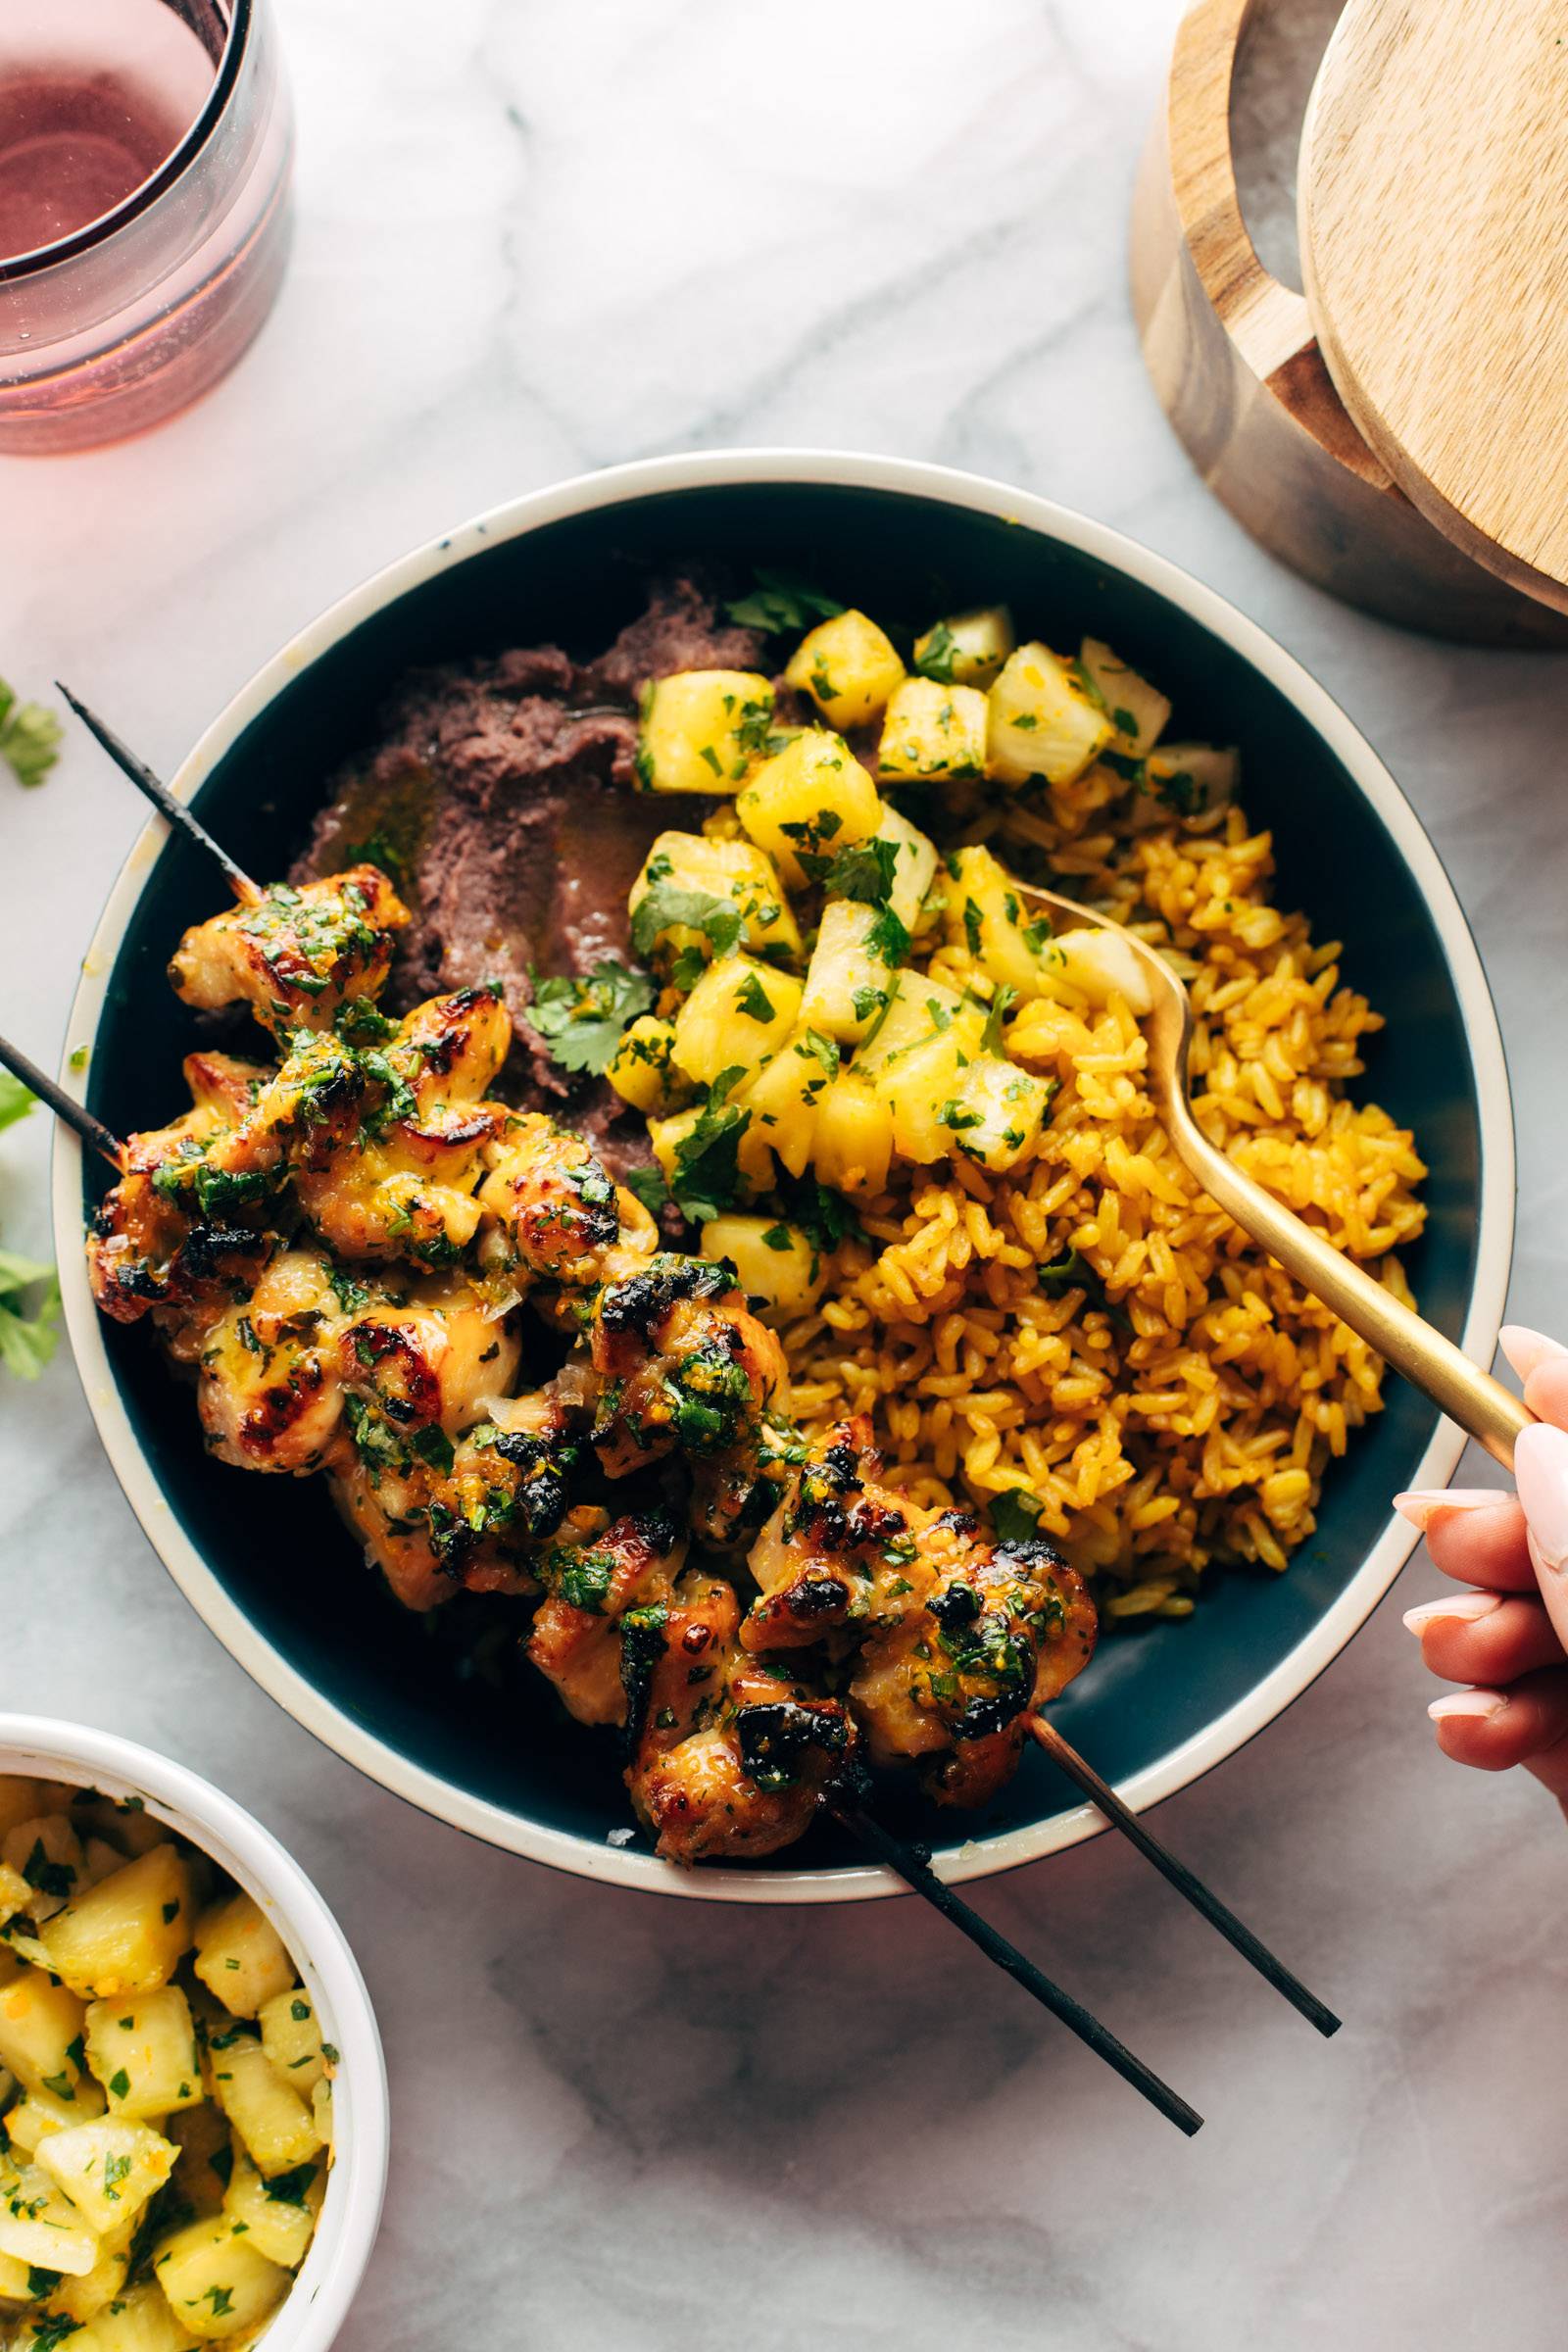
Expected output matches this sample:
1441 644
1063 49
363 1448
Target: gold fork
1479 1404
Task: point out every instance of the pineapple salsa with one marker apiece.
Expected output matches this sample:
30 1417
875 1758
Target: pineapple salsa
789 1046
165 2096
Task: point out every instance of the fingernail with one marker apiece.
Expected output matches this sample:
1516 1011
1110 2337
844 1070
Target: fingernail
1479 1703
1540 1468
1525 1348
1465 1607
1422 1507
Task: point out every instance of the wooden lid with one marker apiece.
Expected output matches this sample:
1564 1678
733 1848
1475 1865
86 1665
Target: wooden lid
1434 222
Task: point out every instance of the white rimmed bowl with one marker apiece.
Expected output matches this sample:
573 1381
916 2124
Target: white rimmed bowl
319 2302
1157 1710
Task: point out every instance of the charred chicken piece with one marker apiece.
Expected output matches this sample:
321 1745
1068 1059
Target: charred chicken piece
295 957
953 1639
731 1760
156 1244
403 1184
595 1588
267 1386
687 1369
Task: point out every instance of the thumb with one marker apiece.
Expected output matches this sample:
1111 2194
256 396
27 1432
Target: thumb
1541 1364
1540 1468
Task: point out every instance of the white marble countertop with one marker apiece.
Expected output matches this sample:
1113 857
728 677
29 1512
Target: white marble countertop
541 235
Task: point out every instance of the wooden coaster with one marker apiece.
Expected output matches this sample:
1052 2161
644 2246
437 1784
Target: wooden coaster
1434 246
1235 360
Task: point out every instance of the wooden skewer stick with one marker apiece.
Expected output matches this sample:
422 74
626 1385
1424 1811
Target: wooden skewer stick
916 1872
1121 1815
162 798
65 1106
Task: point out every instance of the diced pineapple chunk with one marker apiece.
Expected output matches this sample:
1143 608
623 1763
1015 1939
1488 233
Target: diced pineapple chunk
40 2033
216 2281
986 913
240 1956
736 872
1188 779
810 800
998 1112
142 2048
40 2226
778 1267
126 1933
279 2216
912 869
1041 722
108 2170
921 1008
291 2037
642 1071
702 729
46 1854
848 979
322 2109
967 648
1103 964
918 1084
15 2286
39 2112
783 1096
934 734
1136 710
139 2321
265 2109
851 1142
754 1161
81 2299
739 1014
847 666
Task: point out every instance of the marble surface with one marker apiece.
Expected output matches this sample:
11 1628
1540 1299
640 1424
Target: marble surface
541 235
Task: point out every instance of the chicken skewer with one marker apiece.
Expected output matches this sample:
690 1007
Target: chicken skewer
758 1764
725 1497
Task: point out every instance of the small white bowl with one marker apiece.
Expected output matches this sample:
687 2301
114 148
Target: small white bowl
319 2302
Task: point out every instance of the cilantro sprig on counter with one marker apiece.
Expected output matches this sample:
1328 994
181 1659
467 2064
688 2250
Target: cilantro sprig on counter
29 1294
29 737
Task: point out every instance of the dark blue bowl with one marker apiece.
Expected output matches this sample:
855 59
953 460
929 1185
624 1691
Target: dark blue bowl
265 1561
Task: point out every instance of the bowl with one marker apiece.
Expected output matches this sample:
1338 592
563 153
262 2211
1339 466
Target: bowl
318 2304
1158 1708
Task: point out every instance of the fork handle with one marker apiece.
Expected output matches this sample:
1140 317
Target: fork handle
1492 1414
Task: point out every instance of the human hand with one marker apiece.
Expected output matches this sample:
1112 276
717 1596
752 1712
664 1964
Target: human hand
1507 1637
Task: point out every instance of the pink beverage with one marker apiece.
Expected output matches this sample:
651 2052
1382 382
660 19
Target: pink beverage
145 153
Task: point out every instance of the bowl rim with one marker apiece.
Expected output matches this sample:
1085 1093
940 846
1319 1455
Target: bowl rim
624 484
314 2309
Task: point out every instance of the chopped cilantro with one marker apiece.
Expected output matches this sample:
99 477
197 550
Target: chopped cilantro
119 2085
939 650
863 873
581 1020
1002 1004
781 604
754 1000
1015 1514
668 907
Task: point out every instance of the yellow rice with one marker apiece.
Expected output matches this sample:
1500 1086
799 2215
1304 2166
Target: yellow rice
1193 1421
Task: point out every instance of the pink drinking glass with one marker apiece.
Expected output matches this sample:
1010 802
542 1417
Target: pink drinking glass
145 155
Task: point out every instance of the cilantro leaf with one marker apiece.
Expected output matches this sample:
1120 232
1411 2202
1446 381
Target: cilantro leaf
707 1175
939 651
15 1099
1015 1514
781 604
650 1188
27 1340
667 906
1070 1273
29 737
581 1020
863 873
1002 1004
